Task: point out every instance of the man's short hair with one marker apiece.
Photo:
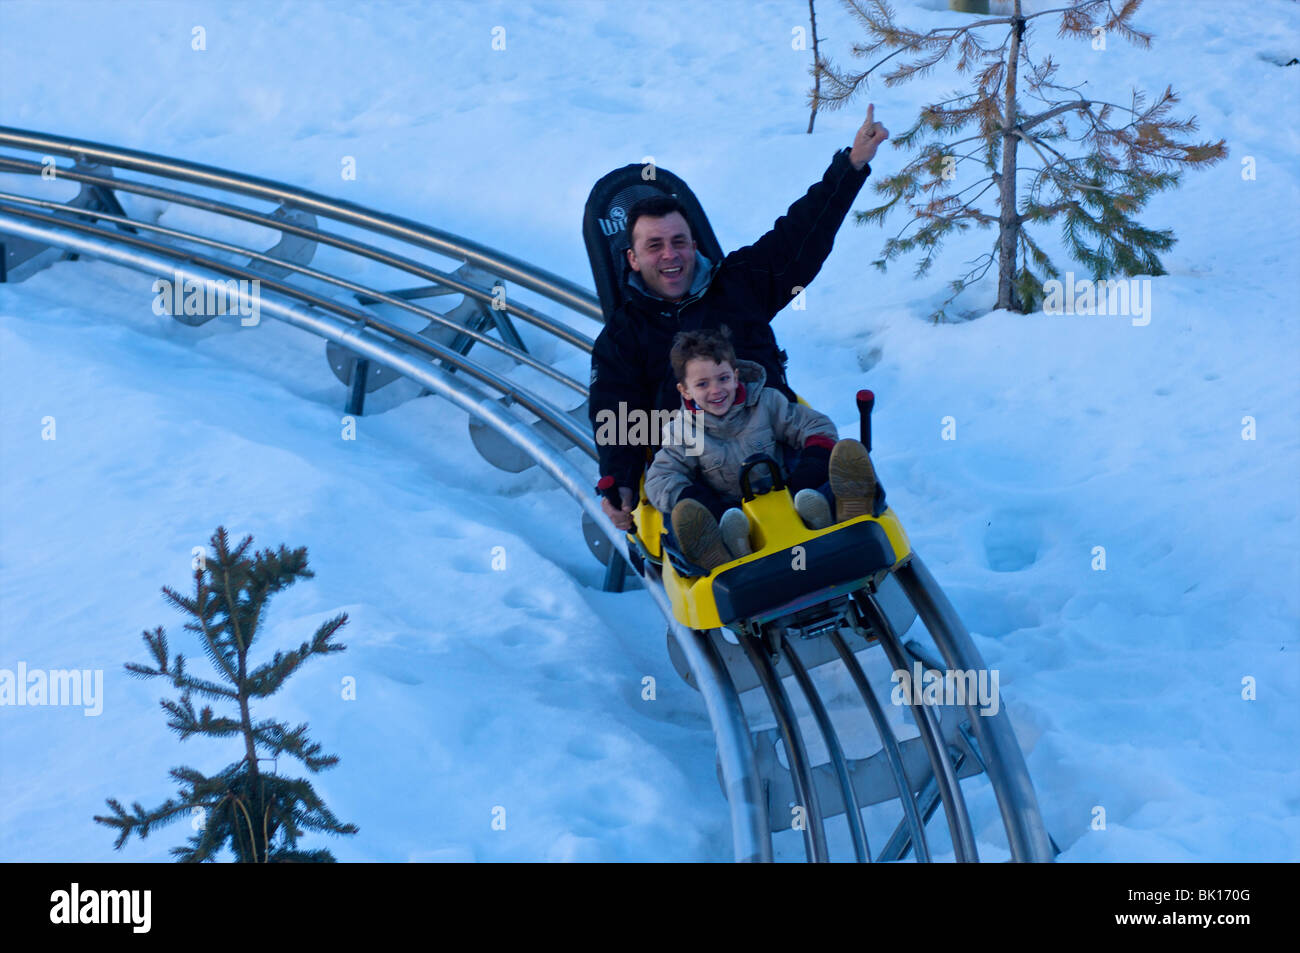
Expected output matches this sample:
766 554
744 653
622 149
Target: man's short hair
689 345
655 206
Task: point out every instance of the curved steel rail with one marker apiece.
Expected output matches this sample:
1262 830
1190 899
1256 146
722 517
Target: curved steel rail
538 405
913 824
27 204
857 833
352 246
551 286
813 823
954 804
1003 759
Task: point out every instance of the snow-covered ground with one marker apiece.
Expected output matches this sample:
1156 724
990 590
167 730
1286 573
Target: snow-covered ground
521 689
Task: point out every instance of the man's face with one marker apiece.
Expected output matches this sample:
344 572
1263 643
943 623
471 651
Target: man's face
663 254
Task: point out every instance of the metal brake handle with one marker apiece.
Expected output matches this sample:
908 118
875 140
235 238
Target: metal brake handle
773 468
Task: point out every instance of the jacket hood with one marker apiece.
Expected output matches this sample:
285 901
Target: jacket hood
753 376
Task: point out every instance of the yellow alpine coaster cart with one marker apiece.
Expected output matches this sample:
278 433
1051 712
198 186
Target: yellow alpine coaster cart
793 569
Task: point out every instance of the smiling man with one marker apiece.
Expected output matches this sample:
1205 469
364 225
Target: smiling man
671 287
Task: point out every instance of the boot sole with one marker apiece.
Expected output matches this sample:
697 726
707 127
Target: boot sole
813 509
852 479
698 535
735 533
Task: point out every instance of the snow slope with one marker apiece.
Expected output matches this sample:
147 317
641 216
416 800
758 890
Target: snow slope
521 689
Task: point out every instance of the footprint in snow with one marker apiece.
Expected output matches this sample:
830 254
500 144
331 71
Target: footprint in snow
1011 542
538 607
588 748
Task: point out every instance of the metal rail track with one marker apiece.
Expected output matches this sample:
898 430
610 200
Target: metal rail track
922 773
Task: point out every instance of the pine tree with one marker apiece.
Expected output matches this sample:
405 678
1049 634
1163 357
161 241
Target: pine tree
1092 165
258 816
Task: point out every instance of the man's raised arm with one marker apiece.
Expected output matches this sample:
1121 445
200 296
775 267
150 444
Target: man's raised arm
790 255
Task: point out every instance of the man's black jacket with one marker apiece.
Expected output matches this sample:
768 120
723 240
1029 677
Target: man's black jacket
629 363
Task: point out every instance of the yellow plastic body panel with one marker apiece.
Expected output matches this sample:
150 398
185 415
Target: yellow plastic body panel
649 523
774 526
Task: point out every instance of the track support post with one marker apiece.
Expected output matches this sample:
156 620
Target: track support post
357 399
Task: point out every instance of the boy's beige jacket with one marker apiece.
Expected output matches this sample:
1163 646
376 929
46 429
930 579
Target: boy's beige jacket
756 425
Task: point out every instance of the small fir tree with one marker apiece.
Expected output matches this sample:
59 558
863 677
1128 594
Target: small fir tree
1092 164
259 816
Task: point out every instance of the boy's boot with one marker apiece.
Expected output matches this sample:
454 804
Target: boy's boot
813 509
698 535
735 532
853 480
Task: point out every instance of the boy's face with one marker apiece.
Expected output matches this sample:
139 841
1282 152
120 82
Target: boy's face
711 385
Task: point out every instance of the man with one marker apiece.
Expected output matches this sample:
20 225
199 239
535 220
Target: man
671 287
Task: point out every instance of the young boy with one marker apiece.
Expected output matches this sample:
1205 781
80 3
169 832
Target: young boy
695 475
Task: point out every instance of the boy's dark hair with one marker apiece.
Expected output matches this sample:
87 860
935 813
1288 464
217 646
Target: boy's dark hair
655 206
689 345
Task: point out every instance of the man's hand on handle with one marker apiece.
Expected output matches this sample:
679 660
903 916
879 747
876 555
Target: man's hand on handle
621 518
868 140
